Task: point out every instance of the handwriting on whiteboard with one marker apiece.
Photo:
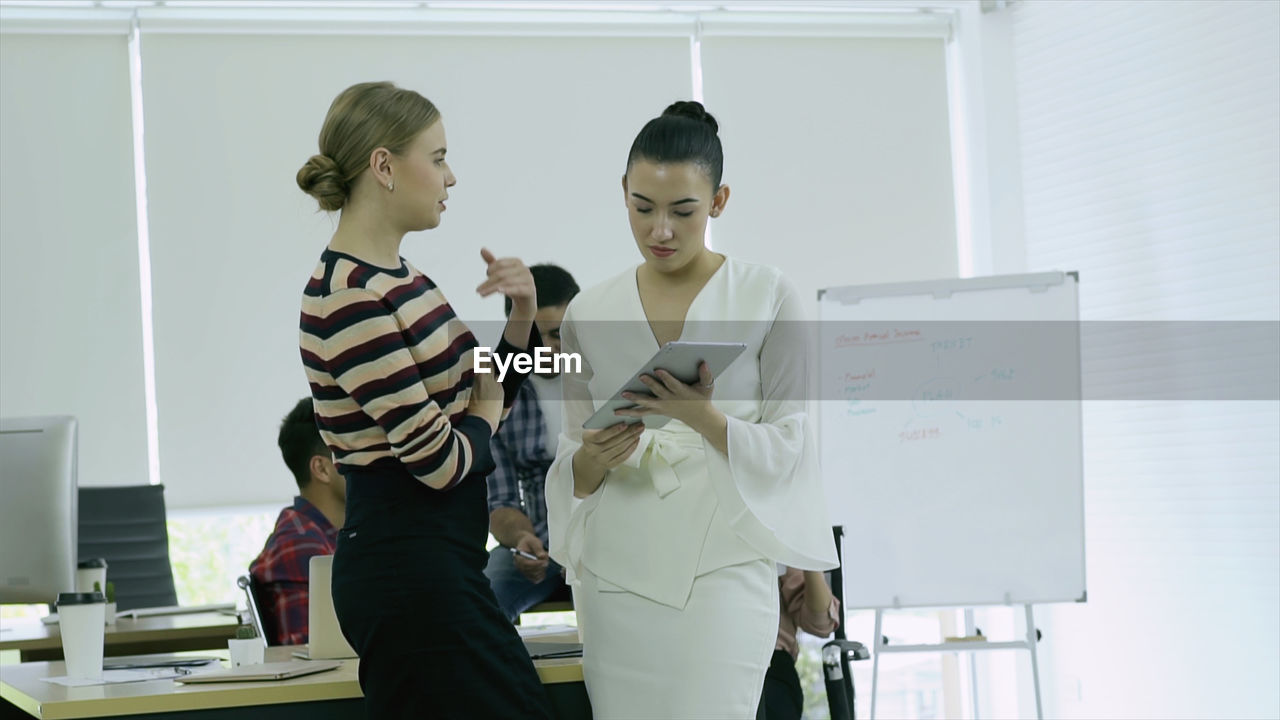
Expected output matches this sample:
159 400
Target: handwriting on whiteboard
880 337
960 343
956 371
856 385
931 433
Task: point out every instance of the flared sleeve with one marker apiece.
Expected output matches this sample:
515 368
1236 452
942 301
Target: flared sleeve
769 485
564 514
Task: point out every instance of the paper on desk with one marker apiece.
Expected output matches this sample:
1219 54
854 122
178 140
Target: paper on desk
113 677
532 631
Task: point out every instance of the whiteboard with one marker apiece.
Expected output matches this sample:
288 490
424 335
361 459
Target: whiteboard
950 440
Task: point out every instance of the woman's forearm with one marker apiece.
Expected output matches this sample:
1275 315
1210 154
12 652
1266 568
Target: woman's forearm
507 525
714 426
518 328
817 596
587 475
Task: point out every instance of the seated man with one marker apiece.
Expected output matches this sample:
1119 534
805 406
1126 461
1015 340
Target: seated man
309 527
805 602
519 570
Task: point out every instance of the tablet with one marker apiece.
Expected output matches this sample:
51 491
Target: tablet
681 359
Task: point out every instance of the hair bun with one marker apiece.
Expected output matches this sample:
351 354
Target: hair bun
323 163
694 110
321 178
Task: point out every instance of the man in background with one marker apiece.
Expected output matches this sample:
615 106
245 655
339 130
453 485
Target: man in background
805 602
520 570
308 527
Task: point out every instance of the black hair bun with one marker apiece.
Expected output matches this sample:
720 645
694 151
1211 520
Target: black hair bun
694 110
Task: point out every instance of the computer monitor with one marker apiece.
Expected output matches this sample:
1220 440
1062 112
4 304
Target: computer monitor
38 512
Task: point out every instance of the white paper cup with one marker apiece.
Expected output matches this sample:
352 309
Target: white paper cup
81 622
89 572
249 651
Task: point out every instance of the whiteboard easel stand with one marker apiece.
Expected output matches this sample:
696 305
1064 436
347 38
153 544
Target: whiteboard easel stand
972 646
971 629
872 341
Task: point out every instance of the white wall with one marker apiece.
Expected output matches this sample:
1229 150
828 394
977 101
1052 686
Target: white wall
1149 136
838 157
988 169
537 138
1136 142
70 308
540 112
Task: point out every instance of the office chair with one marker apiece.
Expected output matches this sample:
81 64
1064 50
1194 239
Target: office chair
837 653
559 601
263 623
126 526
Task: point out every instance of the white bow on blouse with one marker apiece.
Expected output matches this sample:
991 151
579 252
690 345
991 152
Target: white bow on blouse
660 450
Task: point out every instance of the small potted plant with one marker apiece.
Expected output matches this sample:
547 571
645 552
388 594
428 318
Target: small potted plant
110 612
246 647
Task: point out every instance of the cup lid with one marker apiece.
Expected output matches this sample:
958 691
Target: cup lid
89 598
91 563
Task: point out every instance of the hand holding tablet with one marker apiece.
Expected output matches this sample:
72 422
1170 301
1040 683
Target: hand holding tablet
682 361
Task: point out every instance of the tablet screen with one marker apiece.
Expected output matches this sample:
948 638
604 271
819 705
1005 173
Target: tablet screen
681 359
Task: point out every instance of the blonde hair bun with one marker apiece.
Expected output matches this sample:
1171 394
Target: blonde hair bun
321 179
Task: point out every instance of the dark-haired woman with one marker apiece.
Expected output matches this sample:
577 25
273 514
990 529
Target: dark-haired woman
390 368
671 534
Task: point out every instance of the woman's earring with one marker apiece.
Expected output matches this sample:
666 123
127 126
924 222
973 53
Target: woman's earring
391 187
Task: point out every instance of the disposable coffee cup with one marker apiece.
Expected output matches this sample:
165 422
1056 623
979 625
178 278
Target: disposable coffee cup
88 572
82 626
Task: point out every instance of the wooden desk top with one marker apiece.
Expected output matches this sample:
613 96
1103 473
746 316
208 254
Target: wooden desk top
22 685
559 670
34 635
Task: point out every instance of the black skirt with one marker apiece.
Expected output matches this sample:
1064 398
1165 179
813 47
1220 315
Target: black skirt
412 599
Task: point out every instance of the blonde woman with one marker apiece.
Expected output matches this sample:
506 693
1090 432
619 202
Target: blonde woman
670 534
390 368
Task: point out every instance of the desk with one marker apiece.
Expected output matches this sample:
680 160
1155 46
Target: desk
323 696
162 633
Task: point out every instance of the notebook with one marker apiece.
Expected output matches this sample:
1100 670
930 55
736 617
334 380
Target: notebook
223 607
548 650
177 610
265 671
324 637
156 660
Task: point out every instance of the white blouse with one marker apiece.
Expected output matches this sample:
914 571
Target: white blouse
678 508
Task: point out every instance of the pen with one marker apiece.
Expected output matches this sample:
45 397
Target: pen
522 554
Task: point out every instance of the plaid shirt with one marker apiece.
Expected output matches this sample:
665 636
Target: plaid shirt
522 458
283 568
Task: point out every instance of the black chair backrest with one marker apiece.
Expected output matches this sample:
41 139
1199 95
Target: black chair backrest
268 618
126 525
836 578
264 617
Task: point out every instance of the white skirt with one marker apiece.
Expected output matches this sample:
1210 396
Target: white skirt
645 660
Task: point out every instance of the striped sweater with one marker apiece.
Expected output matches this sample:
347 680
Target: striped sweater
390 369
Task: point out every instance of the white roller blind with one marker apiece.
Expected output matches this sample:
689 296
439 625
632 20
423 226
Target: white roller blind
1150 144
70 305
837 153
538 132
